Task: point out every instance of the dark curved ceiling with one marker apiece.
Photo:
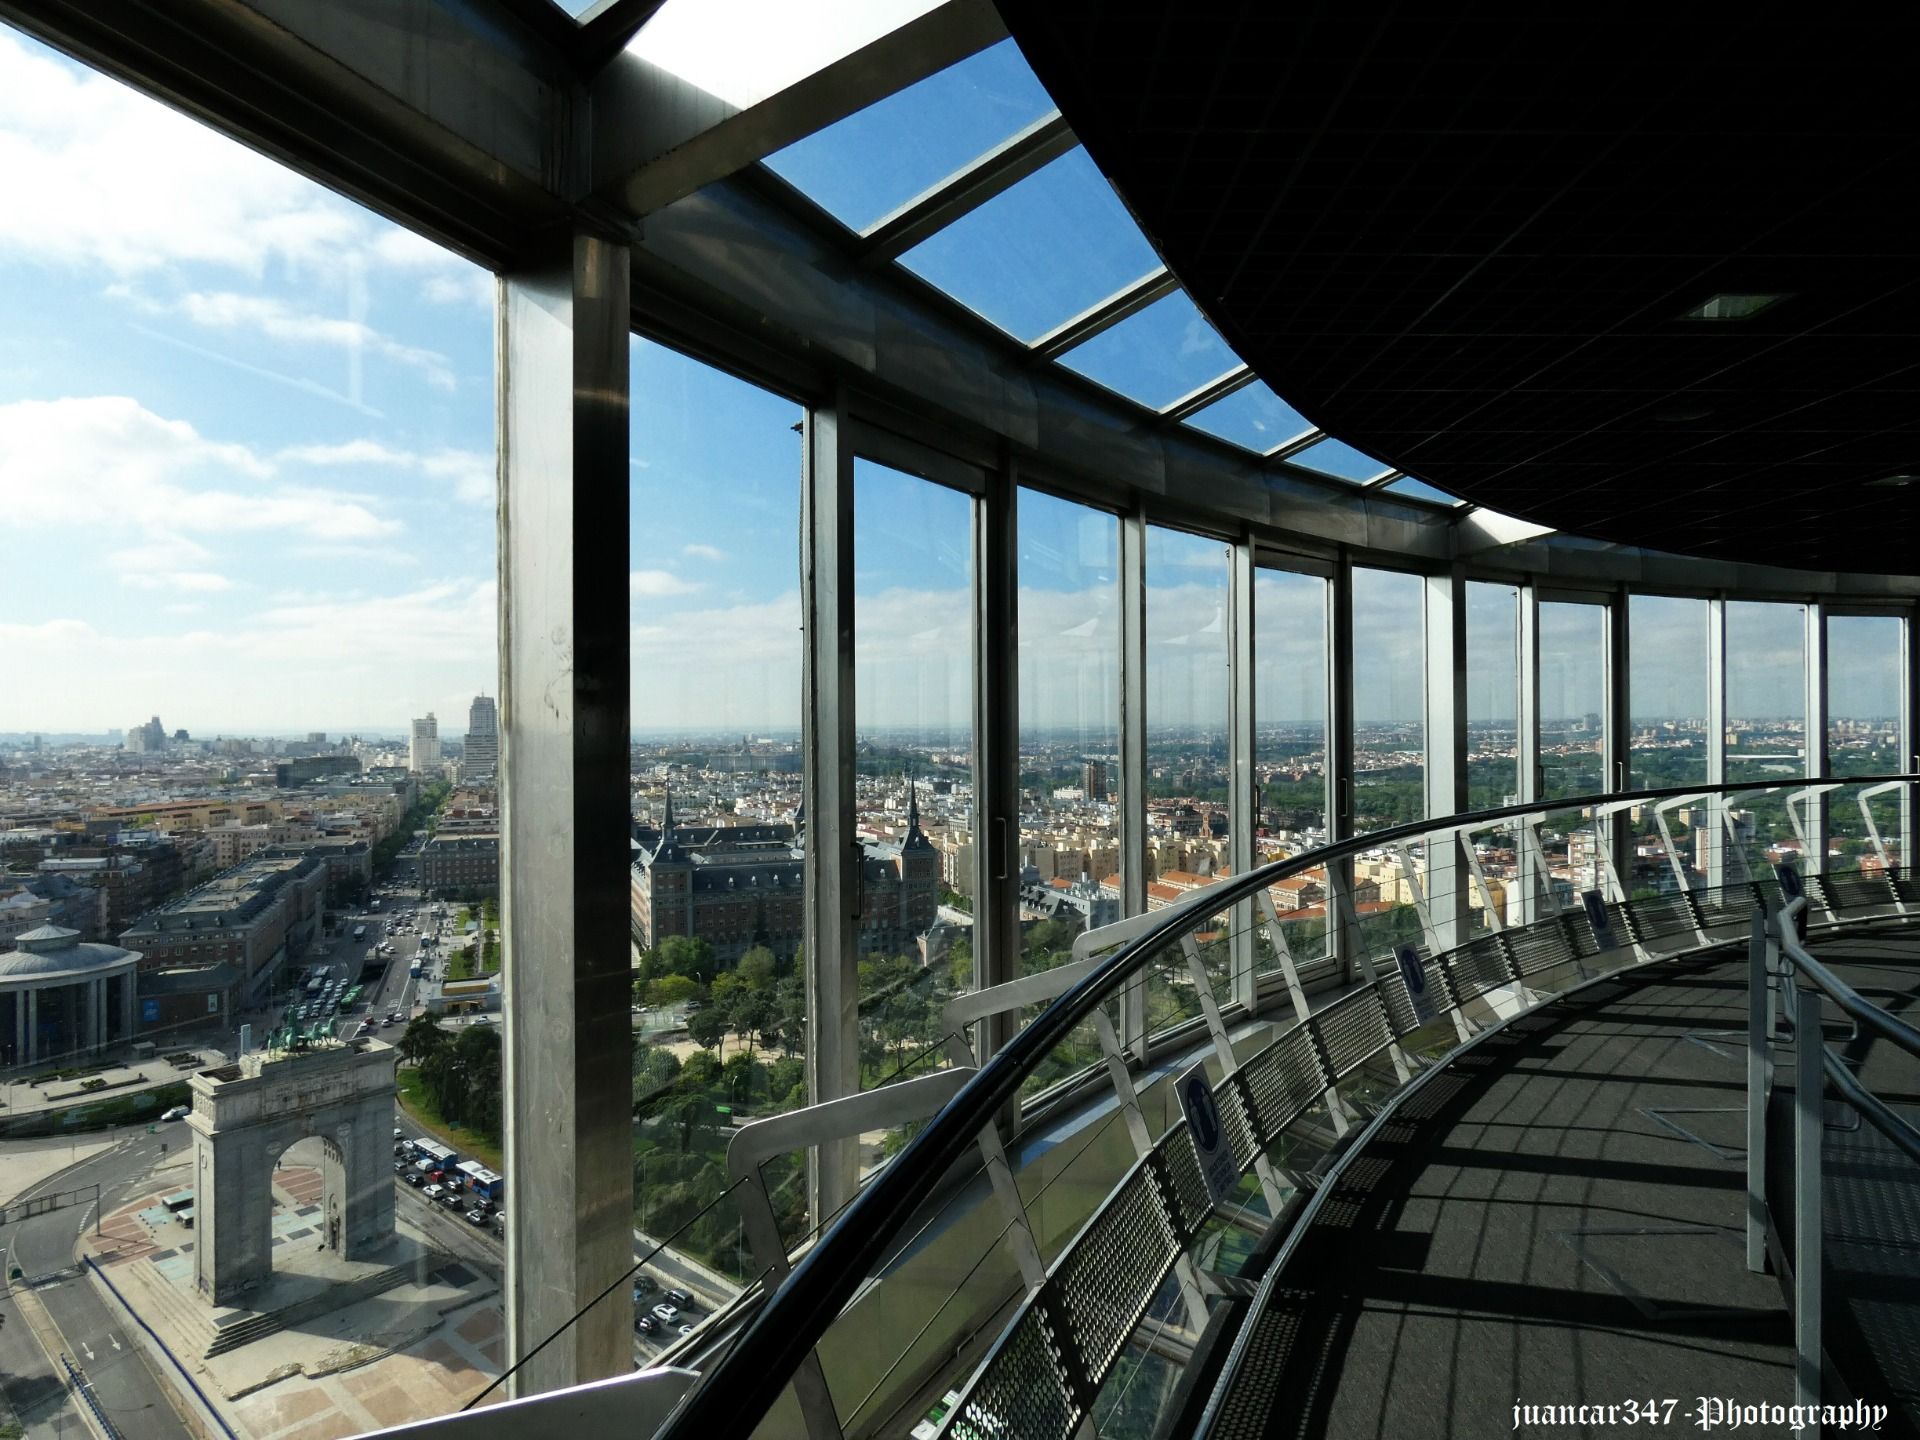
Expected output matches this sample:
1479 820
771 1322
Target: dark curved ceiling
1467 243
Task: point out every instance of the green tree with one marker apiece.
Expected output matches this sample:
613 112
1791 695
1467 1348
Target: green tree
672 990
685 955
708 1027
757 968
421 1038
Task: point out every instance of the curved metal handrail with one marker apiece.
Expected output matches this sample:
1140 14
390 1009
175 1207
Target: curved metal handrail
788 1326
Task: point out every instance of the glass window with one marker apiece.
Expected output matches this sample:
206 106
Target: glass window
1766 690
717 887
246 460
1070 801
864 167
1252 416
1039 253
1156 356
1865 656
1420 490
1336 457
1667 691
1389 744
913 726
1290 748
1187 762
1493 737
1573 670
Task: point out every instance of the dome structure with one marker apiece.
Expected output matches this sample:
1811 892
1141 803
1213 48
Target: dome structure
61 996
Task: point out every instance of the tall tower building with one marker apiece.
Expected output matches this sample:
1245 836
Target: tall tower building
1093 779
423 752
483 740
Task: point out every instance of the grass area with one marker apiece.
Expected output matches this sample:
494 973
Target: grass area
417 1106
460 965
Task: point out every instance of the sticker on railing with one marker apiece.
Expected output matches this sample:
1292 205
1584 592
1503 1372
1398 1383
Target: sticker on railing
1414 974
1209 1135
1598 918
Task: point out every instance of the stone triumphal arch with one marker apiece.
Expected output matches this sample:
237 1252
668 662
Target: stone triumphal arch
245 1116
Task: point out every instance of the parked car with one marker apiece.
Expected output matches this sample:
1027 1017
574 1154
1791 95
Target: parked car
645 1324
665 1314
680 1298
399 1167
685 1330
178 1112
642 1285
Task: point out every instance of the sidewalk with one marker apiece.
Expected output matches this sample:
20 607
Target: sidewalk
27 1163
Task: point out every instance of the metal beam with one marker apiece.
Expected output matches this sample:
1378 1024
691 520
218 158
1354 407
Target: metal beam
996 746
1716 739
832 860
967 189
1133 744
1242 818
1814 862
1445 688
1533 884
657 138
1617 735
563 437
1204 395
1105 315
1342 941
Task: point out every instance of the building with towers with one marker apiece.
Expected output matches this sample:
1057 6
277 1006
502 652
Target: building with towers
482 751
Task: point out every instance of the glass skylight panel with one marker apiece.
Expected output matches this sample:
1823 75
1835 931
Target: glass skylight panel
742 51
1420 490
868 165
1165 351
1055 244
1252 416
1341 460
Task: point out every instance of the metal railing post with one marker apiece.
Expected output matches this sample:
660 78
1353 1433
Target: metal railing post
1758 1007
1809 1085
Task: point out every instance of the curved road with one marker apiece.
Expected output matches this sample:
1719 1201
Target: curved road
93 1330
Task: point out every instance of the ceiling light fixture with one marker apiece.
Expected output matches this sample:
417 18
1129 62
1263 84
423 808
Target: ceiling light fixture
1896 482
1732 307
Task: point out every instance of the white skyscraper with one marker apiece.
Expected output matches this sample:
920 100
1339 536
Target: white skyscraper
483 740
423 753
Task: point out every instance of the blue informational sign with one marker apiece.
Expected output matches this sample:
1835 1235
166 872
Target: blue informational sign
1598 918
149 1012
1414 975
1209 1136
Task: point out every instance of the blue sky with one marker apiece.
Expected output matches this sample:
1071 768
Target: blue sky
246 460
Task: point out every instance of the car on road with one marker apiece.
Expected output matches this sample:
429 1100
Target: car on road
178 1112
680 1298
414 1178
451 1199
665 1314
434 1192
642 1285
645 1324
399 1167
685 1331
476 1217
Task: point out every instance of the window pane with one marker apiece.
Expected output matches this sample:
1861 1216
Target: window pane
1290 747
716 890
864 167
1667 691
913 725
1252 416
247 471
1166 351
1493 739
1336 457
1039 253
1766 690
1389 701
1186 743
1070 800
1421 490
1573 669
1864 659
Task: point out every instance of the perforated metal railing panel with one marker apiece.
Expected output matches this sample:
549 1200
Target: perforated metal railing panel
1477 967
1580 931
1853 889
1538 947
1107 1279
1023 1392
1188 1185
1285 1078
1656 917
1353 1029
1240 1126
1906 886
1725 905
1393 994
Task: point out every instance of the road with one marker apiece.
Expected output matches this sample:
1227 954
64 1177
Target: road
93 1331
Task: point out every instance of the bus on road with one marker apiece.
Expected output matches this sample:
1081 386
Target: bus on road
359 933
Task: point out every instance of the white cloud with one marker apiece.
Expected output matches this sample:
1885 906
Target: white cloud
469 287
658 584
703 552
108 462
260 314
469 472
192 580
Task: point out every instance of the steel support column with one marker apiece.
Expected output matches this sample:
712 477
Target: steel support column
1909 711
1814 862
1445 689
1617 737
1343 942
832 852
1526 729
996 747
1133 746
1242 818
562 414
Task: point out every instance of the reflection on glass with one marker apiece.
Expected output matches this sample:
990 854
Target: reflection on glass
1290 749
1389 747
1164 352
1421 490
913 726
863 167
1039 253
1187 762
1069 726
1336 457
1667 691
1766 725
1864 659
1573 669
717 887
